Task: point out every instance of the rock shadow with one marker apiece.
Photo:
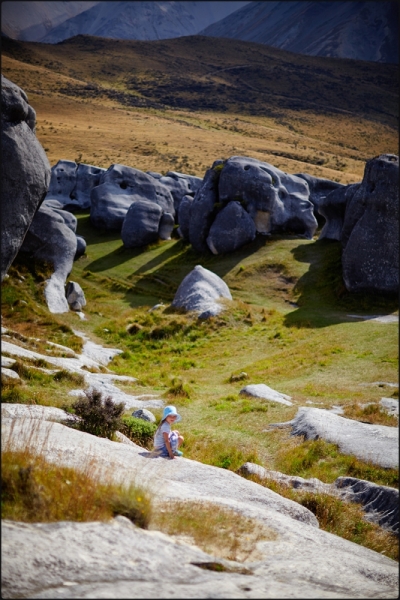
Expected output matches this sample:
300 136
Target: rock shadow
323 299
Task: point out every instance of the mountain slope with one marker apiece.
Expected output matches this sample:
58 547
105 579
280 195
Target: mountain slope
358 30
143 20
31 21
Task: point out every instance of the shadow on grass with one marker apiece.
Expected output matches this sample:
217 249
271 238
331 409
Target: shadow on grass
323 298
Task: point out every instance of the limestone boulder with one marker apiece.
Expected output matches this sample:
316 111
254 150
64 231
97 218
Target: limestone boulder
232 228
75 296
319 189
143 413
87 178
203 209
179 184
276 201
333 208
120 187
25 170
80 247
141 224
71 184
264 392
185 208
378 444
51 240
370 235
201 291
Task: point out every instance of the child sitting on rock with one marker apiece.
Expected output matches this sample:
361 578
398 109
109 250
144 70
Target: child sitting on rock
167 442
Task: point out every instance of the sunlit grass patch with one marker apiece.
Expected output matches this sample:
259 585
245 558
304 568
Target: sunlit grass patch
34 490
323 460
217 530
217 453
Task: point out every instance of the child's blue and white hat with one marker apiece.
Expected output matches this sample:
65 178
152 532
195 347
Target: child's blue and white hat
171 410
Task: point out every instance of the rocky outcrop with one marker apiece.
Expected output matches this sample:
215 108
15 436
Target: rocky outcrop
370 235
232 228
120 187
145 223
378 444
319 188
263 392
299 560
51 239
380 502
71 184
200 291
333 208
25 170
143 413
241 196
75 296
179 184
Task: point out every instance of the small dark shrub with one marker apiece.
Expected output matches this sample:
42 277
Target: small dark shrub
100 416
139 431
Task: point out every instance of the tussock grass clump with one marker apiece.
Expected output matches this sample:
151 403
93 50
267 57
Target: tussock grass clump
34 490
139 431
179 389
100 415
318 458
371 413
30 374
65 375
215 529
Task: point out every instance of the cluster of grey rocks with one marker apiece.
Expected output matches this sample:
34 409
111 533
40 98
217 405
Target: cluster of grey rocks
237 199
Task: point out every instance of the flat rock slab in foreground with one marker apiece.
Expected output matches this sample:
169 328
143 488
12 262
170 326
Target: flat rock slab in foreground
117 560
378 444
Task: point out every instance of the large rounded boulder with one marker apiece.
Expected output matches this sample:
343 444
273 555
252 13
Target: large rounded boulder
25 170
370 234
120 186
232 228
51 239
201 291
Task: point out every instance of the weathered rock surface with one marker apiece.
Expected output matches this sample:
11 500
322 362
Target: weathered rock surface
380 502
179 184
9 376
121 186
75 296
25 170
391 405
260 390
74 560
203 208
275 200
319 189
141 223
71 184
333 208
200 291
143 413
232 228
50 239
378 444
370 235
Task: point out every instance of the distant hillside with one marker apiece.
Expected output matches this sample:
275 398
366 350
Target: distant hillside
53 22
359 30
225 75
31 21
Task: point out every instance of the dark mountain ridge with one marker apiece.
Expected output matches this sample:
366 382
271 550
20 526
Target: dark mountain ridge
363 30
